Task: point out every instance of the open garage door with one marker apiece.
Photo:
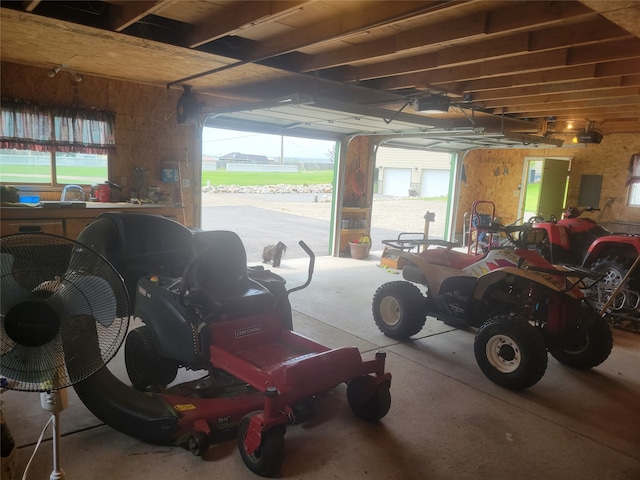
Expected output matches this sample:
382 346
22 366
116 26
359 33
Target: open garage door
396 182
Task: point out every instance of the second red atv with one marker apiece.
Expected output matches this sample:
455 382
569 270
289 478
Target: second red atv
575 240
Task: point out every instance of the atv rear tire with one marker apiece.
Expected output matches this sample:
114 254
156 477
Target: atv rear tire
144 366
399 309
589 348
614 270
510 352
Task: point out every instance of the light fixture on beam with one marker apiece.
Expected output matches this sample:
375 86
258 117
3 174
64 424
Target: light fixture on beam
432 104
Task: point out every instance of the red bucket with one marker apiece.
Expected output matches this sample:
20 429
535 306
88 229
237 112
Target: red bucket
104 192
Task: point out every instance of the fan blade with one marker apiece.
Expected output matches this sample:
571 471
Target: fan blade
12 291
86 295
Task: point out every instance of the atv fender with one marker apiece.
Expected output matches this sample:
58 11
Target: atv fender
500 274
614 245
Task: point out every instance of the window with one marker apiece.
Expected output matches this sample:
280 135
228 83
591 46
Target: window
634 195
634 180
53 145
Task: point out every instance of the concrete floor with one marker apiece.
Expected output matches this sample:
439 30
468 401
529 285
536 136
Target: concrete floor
446 420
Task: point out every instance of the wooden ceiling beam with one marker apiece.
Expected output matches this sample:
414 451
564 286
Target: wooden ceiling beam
550 88
125 14
30 5
578 108
553 76
336 28
578 104
466 29
565 97
521 43
617 49
485 25
629 116
241 17
486 69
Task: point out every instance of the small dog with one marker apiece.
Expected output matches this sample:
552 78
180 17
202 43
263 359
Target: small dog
274 253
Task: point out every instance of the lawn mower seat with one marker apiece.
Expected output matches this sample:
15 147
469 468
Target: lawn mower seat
140 244
217 279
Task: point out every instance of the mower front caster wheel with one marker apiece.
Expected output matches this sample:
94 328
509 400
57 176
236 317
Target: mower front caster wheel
198 443
267 458
370 402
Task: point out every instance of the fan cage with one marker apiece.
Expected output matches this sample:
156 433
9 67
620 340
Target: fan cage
64 311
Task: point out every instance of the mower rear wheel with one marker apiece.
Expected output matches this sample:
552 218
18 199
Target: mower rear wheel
268 457
589 348
399 309
144 366
510 352
368 401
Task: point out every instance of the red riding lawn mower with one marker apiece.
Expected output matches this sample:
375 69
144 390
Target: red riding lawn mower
575 240
205 310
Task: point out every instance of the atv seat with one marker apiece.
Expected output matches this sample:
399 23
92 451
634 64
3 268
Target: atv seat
448 258
217 279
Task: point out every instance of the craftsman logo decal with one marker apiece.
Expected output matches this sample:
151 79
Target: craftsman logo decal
244 332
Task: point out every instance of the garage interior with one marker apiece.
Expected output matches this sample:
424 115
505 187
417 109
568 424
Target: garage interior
508 82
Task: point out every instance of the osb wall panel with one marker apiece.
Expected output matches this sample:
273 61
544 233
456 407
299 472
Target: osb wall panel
611 160
146 131
492 175
495 175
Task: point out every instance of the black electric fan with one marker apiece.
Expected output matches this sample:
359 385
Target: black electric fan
64 314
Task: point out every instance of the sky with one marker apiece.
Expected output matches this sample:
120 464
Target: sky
217 142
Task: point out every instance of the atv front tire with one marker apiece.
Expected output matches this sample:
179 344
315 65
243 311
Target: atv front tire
144 366
510 352
588 348
399 309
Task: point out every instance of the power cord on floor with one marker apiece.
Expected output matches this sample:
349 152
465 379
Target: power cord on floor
26 469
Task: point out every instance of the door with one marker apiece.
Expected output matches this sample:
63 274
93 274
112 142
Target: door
434 183
396 182
546 188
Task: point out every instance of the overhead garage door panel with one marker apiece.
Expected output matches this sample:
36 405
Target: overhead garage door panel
434 183
396 182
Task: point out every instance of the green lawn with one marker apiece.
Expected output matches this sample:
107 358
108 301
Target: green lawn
531 199
222 177
42 174
83 175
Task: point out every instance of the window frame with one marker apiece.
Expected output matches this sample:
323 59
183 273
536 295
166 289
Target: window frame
56 130
633 181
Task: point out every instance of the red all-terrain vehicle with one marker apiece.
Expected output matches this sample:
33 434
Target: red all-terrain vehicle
576 240
522 306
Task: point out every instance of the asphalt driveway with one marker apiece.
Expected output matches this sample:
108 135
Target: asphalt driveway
258 227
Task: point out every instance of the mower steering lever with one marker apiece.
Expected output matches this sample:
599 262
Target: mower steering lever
312 262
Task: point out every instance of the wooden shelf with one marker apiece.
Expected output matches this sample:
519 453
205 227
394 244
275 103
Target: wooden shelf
69 222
